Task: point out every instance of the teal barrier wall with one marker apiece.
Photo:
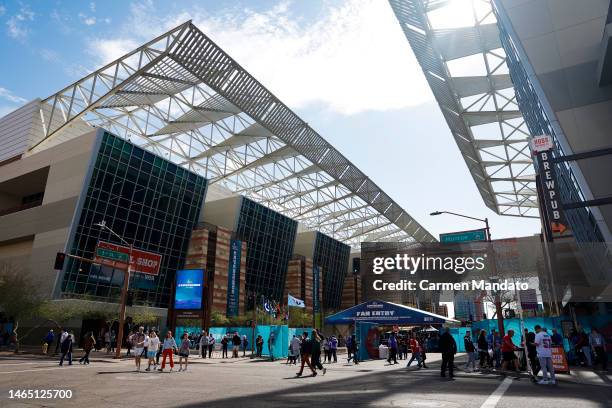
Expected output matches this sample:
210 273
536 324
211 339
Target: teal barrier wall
281 337
602 322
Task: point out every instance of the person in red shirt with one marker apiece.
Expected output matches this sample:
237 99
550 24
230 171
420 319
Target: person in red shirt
415 348
507 349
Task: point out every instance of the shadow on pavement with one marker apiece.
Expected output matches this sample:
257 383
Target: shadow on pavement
404 387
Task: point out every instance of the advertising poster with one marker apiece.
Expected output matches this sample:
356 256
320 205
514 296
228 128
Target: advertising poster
189 285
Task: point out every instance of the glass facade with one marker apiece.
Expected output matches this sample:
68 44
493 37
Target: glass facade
147 200
333 257
270 238
536 117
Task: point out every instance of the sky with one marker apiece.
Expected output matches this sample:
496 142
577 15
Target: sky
344 66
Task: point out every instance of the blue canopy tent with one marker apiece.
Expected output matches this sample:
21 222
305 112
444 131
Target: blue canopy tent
386 313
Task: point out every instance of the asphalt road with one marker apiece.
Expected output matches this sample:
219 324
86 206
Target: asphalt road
245 383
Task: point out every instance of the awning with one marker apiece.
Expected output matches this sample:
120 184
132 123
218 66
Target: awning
377 311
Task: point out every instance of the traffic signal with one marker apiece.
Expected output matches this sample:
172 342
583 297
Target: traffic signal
130 299
59 261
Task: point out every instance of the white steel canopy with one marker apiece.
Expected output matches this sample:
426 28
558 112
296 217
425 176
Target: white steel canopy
465 66
185 99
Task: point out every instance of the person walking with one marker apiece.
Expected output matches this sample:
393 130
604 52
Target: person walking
129 344
168 351
294 349
392 349
160 349
333 348
598 344
325 347
48 340
66 349
316 352
507 349
416 352
204 344
259 344
224 343
139 340
483 349
113 341
271 341
184 352
543 344
245 344
354 349
305 352
470 350
532 354
235 345
585 348
211 344
107 341
349 348
60 339
88 344
448 348
152 350
423 350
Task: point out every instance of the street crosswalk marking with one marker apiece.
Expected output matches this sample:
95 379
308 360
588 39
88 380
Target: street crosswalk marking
493 399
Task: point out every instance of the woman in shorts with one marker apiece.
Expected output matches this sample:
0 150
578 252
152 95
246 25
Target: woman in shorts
184 352
152 347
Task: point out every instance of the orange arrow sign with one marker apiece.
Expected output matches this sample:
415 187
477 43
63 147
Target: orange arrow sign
557 227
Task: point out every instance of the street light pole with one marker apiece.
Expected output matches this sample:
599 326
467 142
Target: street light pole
124 289
498 304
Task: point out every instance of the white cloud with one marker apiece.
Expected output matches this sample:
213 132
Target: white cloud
2 10
106 51
353 58
9 101
17 24
87 20
9 96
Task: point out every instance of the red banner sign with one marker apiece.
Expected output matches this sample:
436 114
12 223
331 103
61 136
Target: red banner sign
559 360
140 261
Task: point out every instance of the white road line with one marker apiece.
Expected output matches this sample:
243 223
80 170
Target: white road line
43 362
41 369
494 398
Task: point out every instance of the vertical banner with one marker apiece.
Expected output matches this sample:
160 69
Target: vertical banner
316 300
542 147
233 278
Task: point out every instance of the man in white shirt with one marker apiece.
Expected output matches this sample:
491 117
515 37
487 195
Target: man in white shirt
543 344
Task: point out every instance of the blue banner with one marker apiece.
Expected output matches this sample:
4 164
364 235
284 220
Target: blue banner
188 293
316 282
387 313
233 278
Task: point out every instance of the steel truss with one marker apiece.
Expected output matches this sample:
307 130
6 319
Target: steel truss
185 99
480 109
